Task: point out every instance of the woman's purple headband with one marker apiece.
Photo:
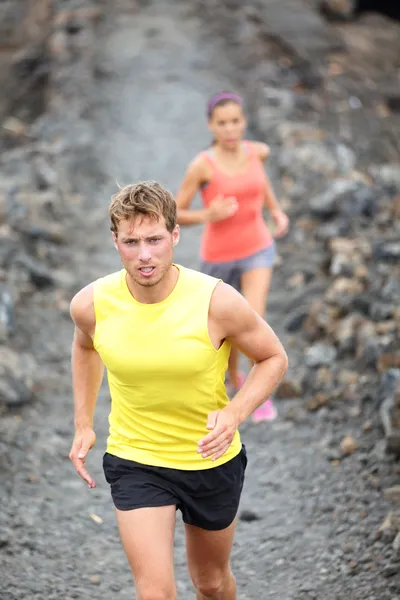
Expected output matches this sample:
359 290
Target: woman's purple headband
222 96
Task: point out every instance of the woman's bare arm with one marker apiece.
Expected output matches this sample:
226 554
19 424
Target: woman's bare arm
193 179
271 202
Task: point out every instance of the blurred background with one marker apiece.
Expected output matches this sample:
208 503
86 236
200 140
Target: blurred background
95 94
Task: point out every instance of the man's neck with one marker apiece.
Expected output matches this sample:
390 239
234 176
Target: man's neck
156 293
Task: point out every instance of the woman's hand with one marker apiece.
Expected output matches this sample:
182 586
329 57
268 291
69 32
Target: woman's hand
221 208
281 221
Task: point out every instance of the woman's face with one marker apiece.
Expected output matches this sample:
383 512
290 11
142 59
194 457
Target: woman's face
227 124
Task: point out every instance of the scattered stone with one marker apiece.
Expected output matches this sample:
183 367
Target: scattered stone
345 333
395 208
15 127
295 414
17 378
384 328
391 570
361 202
390 526
324 205
368 349
95 580
367 426
7 319
46 177
323 379
341 10
248 516
388 360
315 158
294 321
96 518
14 393
390 417
387 251
392 494
396 409
297 280
348 446
343 287
389 383
317 402
387 176
40 275
289 388
50 232
320 355
342 265
396 543
320 319
347 377
359 247
328 203
381 311
275 102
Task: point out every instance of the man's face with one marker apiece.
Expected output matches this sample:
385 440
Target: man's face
146 248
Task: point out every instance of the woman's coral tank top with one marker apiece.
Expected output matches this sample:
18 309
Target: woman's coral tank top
246 232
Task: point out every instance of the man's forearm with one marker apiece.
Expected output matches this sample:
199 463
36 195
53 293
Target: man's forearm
261 382
87 375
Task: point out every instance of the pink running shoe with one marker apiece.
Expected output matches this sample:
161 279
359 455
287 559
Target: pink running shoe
265 412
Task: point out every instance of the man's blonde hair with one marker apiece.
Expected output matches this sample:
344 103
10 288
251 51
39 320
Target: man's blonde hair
146 198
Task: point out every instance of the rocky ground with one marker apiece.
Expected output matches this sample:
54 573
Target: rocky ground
123 86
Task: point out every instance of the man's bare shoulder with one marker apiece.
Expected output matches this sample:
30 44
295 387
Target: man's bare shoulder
227 304
82 308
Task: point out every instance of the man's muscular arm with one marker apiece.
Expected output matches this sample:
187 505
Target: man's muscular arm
234 320
87 375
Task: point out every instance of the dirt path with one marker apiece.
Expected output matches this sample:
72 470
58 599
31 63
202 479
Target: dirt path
59 540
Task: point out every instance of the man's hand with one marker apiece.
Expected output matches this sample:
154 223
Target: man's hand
223 424
84 440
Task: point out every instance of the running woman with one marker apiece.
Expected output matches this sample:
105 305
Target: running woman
164 333
237 245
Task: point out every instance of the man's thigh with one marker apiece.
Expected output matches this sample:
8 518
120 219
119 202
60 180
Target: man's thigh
147 536
208 552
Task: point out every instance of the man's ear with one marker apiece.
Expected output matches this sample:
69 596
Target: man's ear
115 240
176 235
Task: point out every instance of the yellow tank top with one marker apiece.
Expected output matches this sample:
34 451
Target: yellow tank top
164 373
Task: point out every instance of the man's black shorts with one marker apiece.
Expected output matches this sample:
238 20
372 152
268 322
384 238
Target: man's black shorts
207 498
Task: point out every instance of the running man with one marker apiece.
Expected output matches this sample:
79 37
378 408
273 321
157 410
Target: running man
164 333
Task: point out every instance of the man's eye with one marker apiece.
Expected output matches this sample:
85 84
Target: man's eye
154 240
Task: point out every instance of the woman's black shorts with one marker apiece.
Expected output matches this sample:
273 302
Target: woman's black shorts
207 498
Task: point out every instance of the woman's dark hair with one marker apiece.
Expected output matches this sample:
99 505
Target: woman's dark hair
221 99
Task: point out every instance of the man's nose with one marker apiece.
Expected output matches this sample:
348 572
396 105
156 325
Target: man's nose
144 253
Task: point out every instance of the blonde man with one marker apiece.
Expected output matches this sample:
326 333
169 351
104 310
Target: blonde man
164 332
